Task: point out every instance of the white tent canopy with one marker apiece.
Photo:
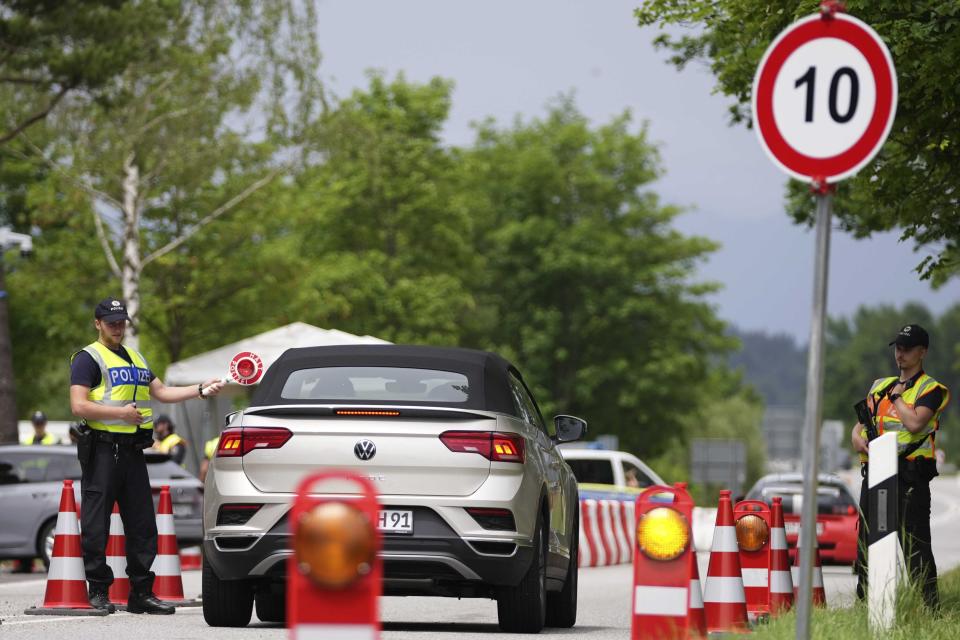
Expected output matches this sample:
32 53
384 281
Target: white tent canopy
268 345
199 420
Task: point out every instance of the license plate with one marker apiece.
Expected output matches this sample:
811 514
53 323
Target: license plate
393 521
793 528
182 510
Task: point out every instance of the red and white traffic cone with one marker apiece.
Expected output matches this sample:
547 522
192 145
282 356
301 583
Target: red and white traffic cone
66 592
117 559
697 618
191 559
724 602
781 580
168 584
819 596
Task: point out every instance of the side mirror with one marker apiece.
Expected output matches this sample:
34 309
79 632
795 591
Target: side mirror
569 428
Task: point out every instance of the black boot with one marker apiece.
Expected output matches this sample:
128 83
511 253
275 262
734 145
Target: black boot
148 603
100 599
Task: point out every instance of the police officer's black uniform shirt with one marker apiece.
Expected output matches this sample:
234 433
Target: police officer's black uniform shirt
85 371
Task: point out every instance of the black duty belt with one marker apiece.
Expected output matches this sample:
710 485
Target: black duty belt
120 439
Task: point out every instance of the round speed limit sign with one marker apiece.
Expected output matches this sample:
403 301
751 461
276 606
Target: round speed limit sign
824 97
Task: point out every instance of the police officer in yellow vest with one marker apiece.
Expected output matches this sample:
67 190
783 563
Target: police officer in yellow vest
167 441
909 405
111 387
40 433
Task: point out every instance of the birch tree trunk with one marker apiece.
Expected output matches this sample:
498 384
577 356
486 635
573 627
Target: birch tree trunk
132 265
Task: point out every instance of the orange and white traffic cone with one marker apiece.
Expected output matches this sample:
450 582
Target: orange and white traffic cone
819 596
66 592
697 618
168 584
117 559
781 580
724 602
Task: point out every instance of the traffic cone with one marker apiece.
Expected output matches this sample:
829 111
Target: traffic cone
819 597
191 559
117 559
781 580
697 619
168 584
724 602
66 592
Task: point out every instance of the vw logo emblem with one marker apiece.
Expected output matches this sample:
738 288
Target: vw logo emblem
365 449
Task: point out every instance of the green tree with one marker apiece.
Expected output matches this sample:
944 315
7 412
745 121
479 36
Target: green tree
587 286
911 185
385 238
51 49
173 176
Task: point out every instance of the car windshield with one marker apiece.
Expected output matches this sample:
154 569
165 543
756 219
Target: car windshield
830 499
387 384
592 471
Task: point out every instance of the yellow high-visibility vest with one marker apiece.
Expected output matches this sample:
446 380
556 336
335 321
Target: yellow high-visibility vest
210 448
888 420
168 443
121 383
48 438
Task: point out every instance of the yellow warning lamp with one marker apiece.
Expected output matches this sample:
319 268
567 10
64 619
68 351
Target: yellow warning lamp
752 532
663 534
335 544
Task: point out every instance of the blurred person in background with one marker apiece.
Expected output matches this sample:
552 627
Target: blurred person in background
40 433
167 441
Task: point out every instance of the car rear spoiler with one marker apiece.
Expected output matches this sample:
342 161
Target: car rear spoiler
296 411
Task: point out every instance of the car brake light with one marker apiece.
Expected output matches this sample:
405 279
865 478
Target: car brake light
365 412
235 443
498 447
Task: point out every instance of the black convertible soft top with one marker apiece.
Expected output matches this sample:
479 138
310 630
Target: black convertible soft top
486 372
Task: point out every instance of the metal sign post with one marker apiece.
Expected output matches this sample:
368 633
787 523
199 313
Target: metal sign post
824 100
812 414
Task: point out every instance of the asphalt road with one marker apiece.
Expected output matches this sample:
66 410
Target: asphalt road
603 612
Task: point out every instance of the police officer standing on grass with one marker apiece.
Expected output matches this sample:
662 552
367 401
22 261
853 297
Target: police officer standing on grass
40 433
909 405
111 387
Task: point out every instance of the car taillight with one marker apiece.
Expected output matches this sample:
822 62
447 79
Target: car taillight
235 443
236 513
498 447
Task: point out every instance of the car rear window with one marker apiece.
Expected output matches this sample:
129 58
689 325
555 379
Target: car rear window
830 499
592 471
387 384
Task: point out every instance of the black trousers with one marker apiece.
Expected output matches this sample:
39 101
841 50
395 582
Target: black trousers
915 540
118 474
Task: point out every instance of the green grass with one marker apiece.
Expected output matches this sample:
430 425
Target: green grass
914 621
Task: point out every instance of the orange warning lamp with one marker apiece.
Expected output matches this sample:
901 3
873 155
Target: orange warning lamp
335 544
334 575
752 532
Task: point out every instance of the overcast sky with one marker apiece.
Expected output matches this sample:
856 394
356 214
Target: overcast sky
510 58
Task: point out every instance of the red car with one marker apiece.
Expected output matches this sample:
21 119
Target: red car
837 513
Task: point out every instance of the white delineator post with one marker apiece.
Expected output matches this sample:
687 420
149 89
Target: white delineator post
883 546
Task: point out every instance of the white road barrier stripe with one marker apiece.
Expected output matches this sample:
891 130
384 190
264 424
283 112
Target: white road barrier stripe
594 533
696 595
333 632
660 601
817 577
780 582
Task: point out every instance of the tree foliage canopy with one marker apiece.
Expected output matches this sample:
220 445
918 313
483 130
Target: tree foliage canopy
912 184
